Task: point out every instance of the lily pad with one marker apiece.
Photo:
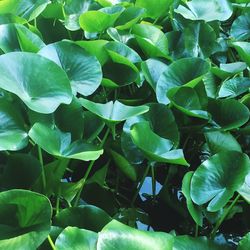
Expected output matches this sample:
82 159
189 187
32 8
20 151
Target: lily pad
188 71
208 11
113 111
24 219
29 76
216 179
116 235
83 70
57 143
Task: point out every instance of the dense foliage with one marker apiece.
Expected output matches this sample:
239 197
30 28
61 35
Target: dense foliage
124 124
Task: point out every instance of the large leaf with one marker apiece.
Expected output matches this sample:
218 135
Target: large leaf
152 40
240 29
24 219
228 113
57 143
16 37
83 69
155 147
155 8
183 71
30 77
100 20
113 111
208 11
13 135
28 9
116 235
74 238
217 178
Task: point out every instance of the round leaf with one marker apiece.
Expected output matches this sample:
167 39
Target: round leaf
217 178
183 71
83 69
40 83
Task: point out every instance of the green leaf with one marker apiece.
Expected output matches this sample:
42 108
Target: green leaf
220 141
152 70
228 113
28 9
83 69
13 135
244 243
16 37
21 171
155 147
183 71
29 76
229 69
188 101
57 143
116 235
217 178
87 217
95 48
152 40
122 163
208 11
24 219
75 239
243 48
186 242
129 17
100 20
10 18
234 87
155 8
194 210
240 28
113 111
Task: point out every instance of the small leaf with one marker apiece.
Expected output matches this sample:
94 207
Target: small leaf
243 48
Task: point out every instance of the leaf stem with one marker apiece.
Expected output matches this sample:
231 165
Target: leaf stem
51 243
196 230
40 156
224 215
141 183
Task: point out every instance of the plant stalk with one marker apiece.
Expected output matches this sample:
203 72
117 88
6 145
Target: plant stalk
40 156
51 243
224 215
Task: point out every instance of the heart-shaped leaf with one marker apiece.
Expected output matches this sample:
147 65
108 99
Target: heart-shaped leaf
113 111
155 147
183 71
116 235
208 11
217 178
57 143
240 29
228 113
83 69
152 40
12 131
100 20
24 219
30 77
